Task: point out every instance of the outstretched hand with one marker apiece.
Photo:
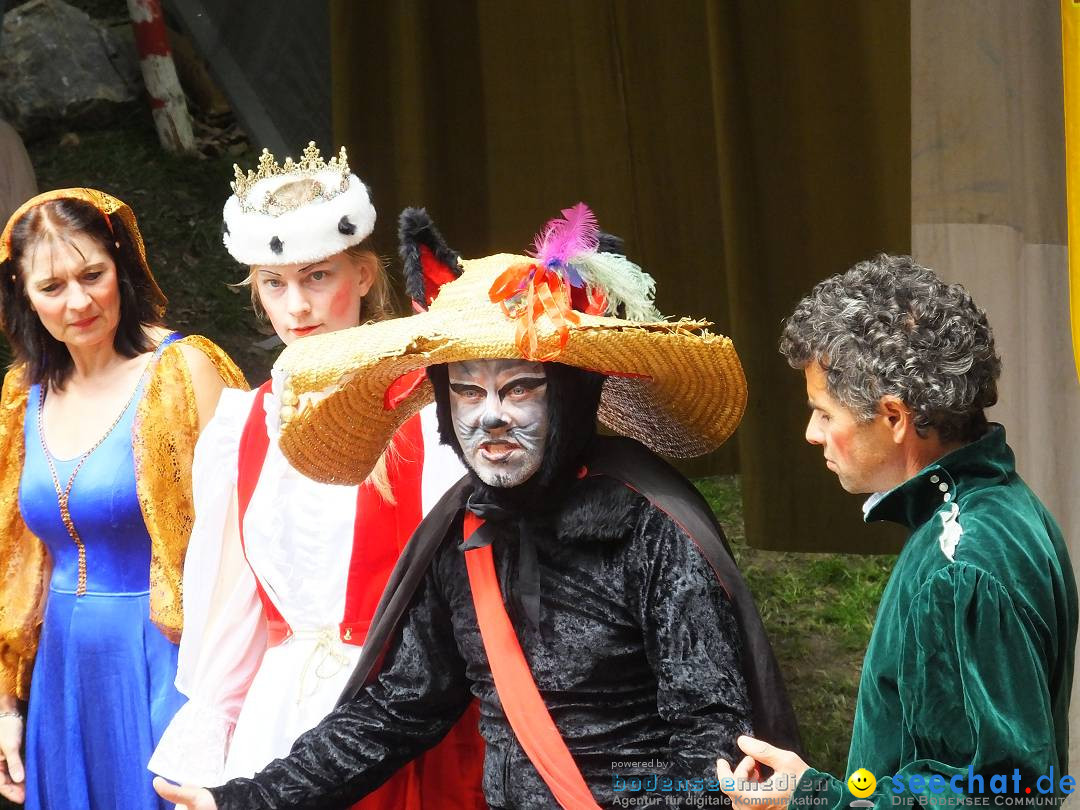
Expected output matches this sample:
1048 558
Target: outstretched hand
186 797
749 792
12 774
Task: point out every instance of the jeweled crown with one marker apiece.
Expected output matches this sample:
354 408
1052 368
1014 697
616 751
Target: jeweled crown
310 164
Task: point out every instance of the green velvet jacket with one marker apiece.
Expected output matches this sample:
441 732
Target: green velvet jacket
970 664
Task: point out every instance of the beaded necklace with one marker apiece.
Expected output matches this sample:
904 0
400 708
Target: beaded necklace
62 496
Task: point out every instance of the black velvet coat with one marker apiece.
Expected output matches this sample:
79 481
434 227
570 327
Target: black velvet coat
642 648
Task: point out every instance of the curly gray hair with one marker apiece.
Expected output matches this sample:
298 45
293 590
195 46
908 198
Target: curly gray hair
891 326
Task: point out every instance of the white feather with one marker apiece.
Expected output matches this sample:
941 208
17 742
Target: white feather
623 283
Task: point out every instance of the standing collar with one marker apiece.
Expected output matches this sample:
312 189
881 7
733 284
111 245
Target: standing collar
985 461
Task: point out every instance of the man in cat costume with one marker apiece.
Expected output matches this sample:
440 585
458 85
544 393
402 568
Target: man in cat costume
576 585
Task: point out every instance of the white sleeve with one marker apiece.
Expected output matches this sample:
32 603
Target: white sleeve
213 474
442 468
224 634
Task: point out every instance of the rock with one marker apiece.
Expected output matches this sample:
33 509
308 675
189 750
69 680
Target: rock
59 69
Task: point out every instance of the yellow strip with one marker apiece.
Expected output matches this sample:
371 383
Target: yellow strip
1070 54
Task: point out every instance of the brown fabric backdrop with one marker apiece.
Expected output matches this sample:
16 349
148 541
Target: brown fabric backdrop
744 150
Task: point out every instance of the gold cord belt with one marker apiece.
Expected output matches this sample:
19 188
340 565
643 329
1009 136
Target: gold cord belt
326 659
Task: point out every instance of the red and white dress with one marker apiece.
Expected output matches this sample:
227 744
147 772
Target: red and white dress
269 644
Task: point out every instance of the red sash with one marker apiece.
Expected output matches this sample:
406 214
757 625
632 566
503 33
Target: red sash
254 442
521 700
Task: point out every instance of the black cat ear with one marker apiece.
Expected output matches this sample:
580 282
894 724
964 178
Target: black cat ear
427 261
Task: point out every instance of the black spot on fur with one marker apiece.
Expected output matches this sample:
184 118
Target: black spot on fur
224 227
346 227
276 245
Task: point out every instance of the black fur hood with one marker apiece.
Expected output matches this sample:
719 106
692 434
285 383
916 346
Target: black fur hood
598 508
573 400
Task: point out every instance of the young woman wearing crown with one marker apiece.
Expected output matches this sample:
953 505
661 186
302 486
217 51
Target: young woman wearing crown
284 572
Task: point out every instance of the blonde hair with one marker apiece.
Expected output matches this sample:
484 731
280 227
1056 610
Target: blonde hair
376 305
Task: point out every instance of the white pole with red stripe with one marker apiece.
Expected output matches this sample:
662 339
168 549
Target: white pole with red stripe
167 100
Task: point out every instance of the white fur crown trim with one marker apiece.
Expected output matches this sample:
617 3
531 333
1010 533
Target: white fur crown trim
316 229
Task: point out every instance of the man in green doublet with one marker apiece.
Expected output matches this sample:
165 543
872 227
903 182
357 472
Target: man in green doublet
964 693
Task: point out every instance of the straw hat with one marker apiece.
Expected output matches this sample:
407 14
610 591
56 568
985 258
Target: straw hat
672 385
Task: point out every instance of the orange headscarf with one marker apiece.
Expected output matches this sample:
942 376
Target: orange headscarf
105 203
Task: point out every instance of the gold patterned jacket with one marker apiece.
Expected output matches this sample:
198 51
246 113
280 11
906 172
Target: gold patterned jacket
163 440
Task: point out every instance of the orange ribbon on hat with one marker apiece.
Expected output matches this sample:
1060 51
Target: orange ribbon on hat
528 290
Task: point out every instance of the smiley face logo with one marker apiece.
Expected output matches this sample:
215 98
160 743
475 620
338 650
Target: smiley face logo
861 783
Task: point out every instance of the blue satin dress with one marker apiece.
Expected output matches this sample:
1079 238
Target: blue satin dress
102 690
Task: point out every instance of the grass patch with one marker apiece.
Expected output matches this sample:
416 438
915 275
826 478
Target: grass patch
818 610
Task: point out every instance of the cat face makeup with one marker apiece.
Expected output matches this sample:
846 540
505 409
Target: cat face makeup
500 415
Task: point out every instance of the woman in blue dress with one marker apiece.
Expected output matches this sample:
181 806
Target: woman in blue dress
98 420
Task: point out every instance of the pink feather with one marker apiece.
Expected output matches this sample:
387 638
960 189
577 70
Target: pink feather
561 239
